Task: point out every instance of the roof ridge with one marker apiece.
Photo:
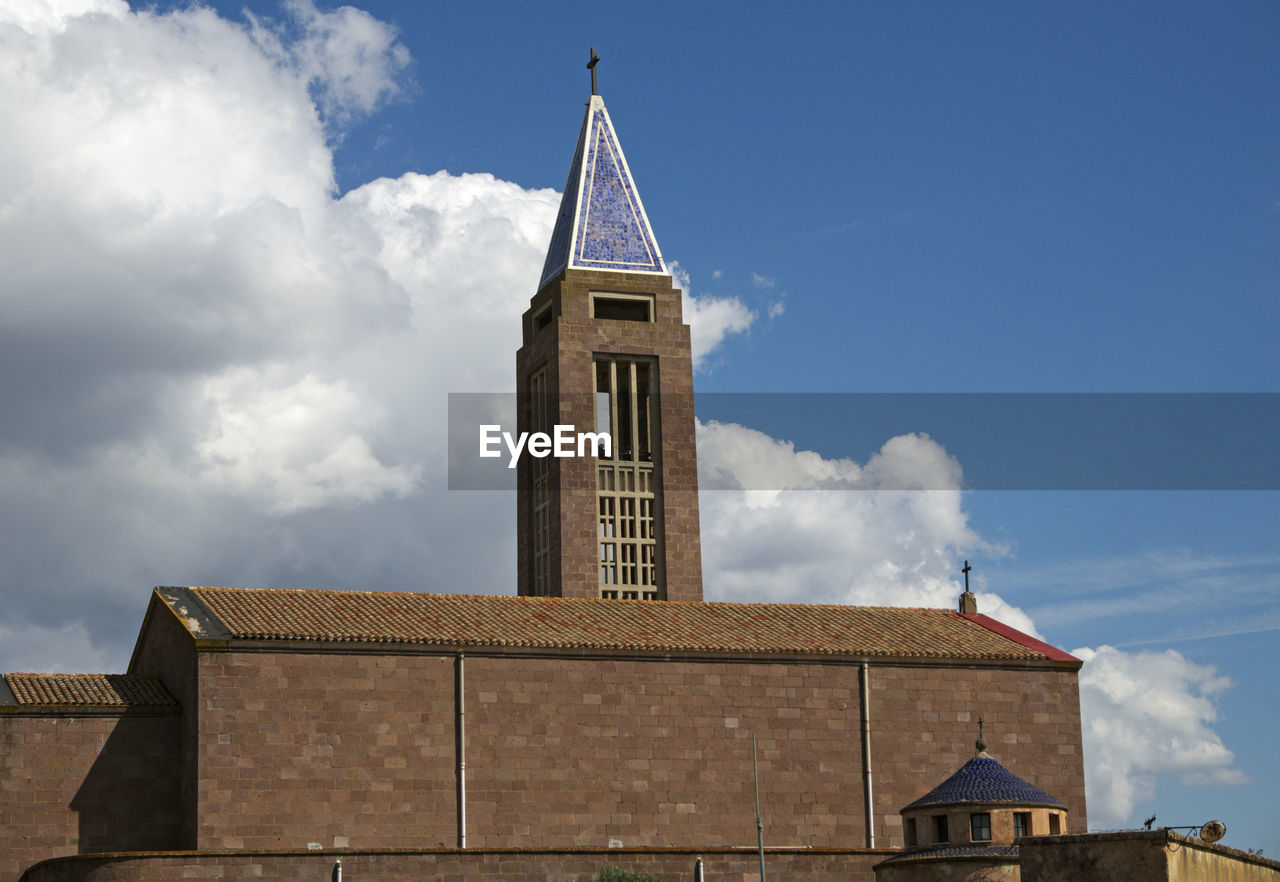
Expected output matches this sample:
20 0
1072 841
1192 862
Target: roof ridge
593 600
458 620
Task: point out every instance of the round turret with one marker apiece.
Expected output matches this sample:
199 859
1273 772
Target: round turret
972 821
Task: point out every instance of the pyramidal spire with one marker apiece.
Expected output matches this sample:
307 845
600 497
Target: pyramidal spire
602 224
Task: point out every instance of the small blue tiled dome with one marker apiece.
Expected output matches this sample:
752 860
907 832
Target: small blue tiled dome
983 780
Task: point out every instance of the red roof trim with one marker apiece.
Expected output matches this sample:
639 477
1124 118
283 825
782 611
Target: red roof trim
1018 637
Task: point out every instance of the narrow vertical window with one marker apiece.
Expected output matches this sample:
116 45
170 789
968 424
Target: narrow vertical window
980 827
911 832
543 319
940 833
1055 825
1021 824
625 483
540 421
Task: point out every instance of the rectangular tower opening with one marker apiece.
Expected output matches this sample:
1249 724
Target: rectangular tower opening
622 307
540 421
626 497
543 319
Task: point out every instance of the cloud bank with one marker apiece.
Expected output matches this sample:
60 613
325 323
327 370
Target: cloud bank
218 370
1146 714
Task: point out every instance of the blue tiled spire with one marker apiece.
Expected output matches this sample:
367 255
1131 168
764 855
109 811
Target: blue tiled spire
983 780
602 224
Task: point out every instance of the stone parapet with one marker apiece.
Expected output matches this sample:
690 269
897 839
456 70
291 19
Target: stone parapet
453 865
1139 855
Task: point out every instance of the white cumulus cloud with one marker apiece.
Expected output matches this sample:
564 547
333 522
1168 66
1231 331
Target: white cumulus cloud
710 319
351 60
791 525
1145 714
300 441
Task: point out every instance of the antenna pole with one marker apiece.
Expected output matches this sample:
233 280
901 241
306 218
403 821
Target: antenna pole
755 769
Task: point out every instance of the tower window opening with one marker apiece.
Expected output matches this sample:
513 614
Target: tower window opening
911 832
622 307
940 833
1055 825
540 421
625 482
980 827
1021 824
542 319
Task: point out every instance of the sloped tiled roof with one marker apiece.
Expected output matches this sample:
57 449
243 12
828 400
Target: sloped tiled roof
983 780
88 690
955 852
568 623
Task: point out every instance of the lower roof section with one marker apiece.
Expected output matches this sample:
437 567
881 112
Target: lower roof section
946 852
117 692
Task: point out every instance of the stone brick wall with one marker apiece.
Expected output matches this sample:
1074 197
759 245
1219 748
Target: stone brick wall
924 723
567 348
577 752
332 749
166 650
79 783
852 865
358 749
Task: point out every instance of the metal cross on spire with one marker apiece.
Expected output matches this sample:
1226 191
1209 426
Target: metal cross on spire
965 569
980 743
591 66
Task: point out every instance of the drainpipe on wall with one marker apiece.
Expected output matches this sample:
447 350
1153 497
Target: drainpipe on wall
865 703
460 739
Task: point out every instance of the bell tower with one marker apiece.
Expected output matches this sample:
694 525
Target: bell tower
606 350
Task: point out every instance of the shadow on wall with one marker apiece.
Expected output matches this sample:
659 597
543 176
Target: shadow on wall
129 800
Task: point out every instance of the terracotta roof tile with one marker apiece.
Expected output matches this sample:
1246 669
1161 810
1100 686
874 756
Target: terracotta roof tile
88 690
568 623
954 852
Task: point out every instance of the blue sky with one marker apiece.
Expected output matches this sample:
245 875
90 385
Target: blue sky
898 198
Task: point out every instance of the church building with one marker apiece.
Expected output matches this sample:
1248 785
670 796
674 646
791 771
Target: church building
600 713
